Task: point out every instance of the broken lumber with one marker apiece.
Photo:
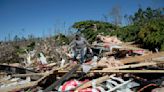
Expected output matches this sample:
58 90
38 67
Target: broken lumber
97 81
57 83
18 87
105 69
31 84
51 72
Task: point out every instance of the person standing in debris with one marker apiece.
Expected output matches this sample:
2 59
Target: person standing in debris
79 46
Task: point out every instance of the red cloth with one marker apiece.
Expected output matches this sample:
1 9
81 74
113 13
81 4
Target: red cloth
74 83
138 51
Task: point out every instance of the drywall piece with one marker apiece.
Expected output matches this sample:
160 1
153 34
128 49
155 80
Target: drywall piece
86 68
42 59
62 63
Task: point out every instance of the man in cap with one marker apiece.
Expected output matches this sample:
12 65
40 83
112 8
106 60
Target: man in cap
79 46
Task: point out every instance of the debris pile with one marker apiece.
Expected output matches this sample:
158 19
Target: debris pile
114 66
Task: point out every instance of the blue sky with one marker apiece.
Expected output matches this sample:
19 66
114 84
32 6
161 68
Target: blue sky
45 17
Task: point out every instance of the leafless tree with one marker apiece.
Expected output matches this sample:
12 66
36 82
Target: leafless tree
116 15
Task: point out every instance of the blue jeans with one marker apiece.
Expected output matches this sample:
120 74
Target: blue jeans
82 53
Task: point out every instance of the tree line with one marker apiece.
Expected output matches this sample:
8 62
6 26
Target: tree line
146 28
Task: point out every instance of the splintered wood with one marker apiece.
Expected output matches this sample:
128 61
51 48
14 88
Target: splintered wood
97 81
30 84
140 60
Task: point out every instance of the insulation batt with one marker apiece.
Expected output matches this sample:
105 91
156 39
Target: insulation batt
109 39
109 62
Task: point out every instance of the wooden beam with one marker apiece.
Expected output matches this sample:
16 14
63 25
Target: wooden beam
29 74
130 71
120 71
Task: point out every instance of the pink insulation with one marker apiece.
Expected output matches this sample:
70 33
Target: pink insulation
109 39
109 62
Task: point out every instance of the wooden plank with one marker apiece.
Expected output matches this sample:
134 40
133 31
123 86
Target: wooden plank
29 74
120 71
131 66
131 71
51 64
97 81
142 58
